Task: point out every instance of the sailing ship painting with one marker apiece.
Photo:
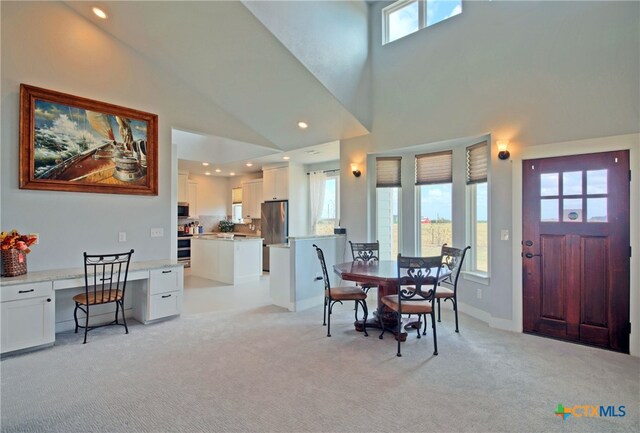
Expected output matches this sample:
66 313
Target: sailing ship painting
80 145
73 144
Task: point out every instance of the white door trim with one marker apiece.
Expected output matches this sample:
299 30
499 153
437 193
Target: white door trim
629 142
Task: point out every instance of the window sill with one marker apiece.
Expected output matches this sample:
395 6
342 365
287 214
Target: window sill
476 277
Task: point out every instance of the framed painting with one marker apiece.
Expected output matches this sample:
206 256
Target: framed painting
69 143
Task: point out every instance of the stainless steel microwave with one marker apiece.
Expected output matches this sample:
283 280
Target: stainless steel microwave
183 209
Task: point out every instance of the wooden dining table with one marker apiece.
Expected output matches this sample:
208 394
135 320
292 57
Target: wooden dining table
384 274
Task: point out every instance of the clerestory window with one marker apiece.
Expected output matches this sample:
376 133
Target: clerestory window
408 16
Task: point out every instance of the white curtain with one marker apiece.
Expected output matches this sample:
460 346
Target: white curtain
317 180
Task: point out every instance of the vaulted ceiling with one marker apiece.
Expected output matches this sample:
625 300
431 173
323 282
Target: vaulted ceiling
223 51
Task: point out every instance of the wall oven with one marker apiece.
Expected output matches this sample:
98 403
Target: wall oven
184 249
183 209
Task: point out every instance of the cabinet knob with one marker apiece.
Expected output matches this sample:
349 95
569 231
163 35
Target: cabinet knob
166 272
166 296
25 291
48 299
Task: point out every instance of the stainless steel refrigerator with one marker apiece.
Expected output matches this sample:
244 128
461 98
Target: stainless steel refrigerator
274 227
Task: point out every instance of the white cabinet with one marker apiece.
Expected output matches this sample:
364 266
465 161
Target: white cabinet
28 316
227 261
192 198
188 193
275 184
183 191
256 199
162 296
252 199
246 199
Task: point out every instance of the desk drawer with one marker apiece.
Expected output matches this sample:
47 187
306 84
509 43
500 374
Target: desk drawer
165 305
164 280
26 291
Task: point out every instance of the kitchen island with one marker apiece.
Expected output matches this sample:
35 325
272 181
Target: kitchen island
231 261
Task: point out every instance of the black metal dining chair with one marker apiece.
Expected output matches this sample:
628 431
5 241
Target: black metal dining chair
417 282
332 295
365 252
452 258
105 278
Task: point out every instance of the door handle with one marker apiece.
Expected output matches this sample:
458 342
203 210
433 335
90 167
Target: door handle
529 255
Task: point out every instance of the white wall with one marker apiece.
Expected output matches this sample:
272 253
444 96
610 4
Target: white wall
530 72
46 44
328 165
330 40
298 200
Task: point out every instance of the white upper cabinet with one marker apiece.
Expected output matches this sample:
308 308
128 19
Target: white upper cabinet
252 199
275 184
183 191
192 198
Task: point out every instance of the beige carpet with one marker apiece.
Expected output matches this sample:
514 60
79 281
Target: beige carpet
270 370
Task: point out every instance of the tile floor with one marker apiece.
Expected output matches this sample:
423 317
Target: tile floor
203 296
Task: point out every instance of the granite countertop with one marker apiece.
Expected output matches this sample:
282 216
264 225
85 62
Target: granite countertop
214 237
248 235
71 273
315 237
279 246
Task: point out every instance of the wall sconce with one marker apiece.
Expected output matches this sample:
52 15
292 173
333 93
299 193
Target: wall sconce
503 153
354 170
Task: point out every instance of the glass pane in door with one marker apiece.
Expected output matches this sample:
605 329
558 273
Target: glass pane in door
572 183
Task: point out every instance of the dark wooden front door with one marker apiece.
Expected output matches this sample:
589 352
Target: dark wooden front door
575 248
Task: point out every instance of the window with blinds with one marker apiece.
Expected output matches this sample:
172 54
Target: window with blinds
477 163
434 168
388 172
236 195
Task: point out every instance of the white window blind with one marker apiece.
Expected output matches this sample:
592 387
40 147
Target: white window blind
388 172
434 168
477 163
236 195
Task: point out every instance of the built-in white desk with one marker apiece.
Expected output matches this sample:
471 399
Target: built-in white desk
36 305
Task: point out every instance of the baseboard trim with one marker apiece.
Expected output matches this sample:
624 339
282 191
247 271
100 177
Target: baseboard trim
494 322
308 303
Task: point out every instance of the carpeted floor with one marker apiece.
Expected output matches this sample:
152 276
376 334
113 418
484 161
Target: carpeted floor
269 370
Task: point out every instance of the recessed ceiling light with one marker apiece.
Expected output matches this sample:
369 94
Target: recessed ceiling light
303 125
218 170
207 173
99 13
286 158
206 164
249 164
232 174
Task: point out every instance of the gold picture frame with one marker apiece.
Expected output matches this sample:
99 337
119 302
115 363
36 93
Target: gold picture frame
70 143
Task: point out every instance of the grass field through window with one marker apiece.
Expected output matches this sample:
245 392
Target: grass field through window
434 234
